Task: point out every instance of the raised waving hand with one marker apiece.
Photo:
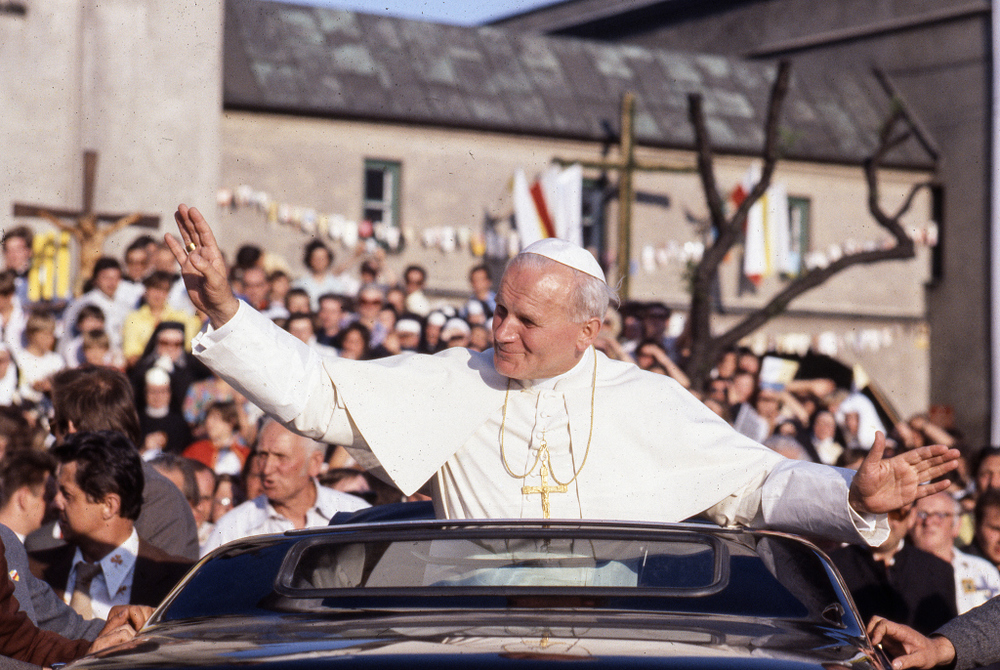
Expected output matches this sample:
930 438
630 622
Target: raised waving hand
202 266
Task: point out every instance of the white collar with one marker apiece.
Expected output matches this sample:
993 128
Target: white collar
116 565
581 370
274 514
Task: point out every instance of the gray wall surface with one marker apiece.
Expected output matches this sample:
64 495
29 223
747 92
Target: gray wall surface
138 81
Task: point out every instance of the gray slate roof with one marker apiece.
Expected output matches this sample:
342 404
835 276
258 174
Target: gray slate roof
331 63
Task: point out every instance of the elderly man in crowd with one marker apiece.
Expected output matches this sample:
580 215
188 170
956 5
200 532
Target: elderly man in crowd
935 530
535 427
292 497
898 580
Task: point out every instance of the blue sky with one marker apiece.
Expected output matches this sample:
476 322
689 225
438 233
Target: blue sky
460 12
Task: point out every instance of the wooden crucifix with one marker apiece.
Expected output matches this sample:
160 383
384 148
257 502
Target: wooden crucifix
626 164
87 231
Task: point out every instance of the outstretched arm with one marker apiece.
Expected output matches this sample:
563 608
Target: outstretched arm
882 485
55 221
123 222
907 647
202 266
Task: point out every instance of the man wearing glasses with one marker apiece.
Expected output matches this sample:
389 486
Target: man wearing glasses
934 530
897 580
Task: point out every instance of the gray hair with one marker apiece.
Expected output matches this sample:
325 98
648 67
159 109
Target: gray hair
956 505
590 296
310 445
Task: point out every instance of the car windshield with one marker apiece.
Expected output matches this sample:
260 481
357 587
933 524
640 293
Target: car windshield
501 567
323 568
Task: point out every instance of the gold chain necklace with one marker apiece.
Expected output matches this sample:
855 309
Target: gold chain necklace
543 448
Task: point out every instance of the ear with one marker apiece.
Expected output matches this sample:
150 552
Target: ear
19 497
70 428
111 506
588 333
315 463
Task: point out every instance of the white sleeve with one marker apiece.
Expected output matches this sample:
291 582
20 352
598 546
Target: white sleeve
277 372
805 498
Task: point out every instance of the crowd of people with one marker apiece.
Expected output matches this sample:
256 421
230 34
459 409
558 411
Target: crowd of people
117 361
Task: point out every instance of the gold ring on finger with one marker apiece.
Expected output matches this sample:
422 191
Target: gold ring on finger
191 246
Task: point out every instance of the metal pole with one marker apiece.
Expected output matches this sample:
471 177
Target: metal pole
625 195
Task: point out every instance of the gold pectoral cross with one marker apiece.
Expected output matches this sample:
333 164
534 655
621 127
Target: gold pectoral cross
544 489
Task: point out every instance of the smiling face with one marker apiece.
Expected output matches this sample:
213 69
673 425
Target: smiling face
533 335
936 525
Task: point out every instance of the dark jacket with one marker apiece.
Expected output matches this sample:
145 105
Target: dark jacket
918 589
156 572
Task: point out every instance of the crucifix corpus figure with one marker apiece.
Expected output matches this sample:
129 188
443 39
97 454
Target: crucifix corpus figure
625 444
87 231
89 236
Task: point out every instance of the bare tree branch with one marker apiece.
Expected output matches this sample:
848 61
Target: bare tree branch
728 231
705 349
908 202
779 303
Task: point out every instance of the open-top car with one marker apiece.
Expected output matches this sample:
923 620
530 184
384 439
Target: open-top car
471 594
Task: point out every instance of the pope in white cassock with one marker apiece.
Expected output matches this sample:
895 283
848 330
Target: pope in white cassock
543 425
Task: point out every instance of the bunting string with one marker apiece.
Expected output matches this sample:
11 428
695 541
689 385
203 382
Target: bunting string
665 253
346 231
834 343
454 239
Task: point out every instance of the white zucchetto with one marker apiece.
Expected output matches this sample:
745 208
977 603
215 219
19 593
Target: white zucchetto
569 254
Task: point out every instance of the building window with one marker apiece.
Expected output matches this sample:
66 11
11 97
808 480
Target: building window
381 205
13 7
596 193
798 232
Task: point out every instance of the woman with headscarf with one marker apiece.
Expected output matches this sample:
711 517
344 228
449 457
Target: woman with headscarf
165 350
